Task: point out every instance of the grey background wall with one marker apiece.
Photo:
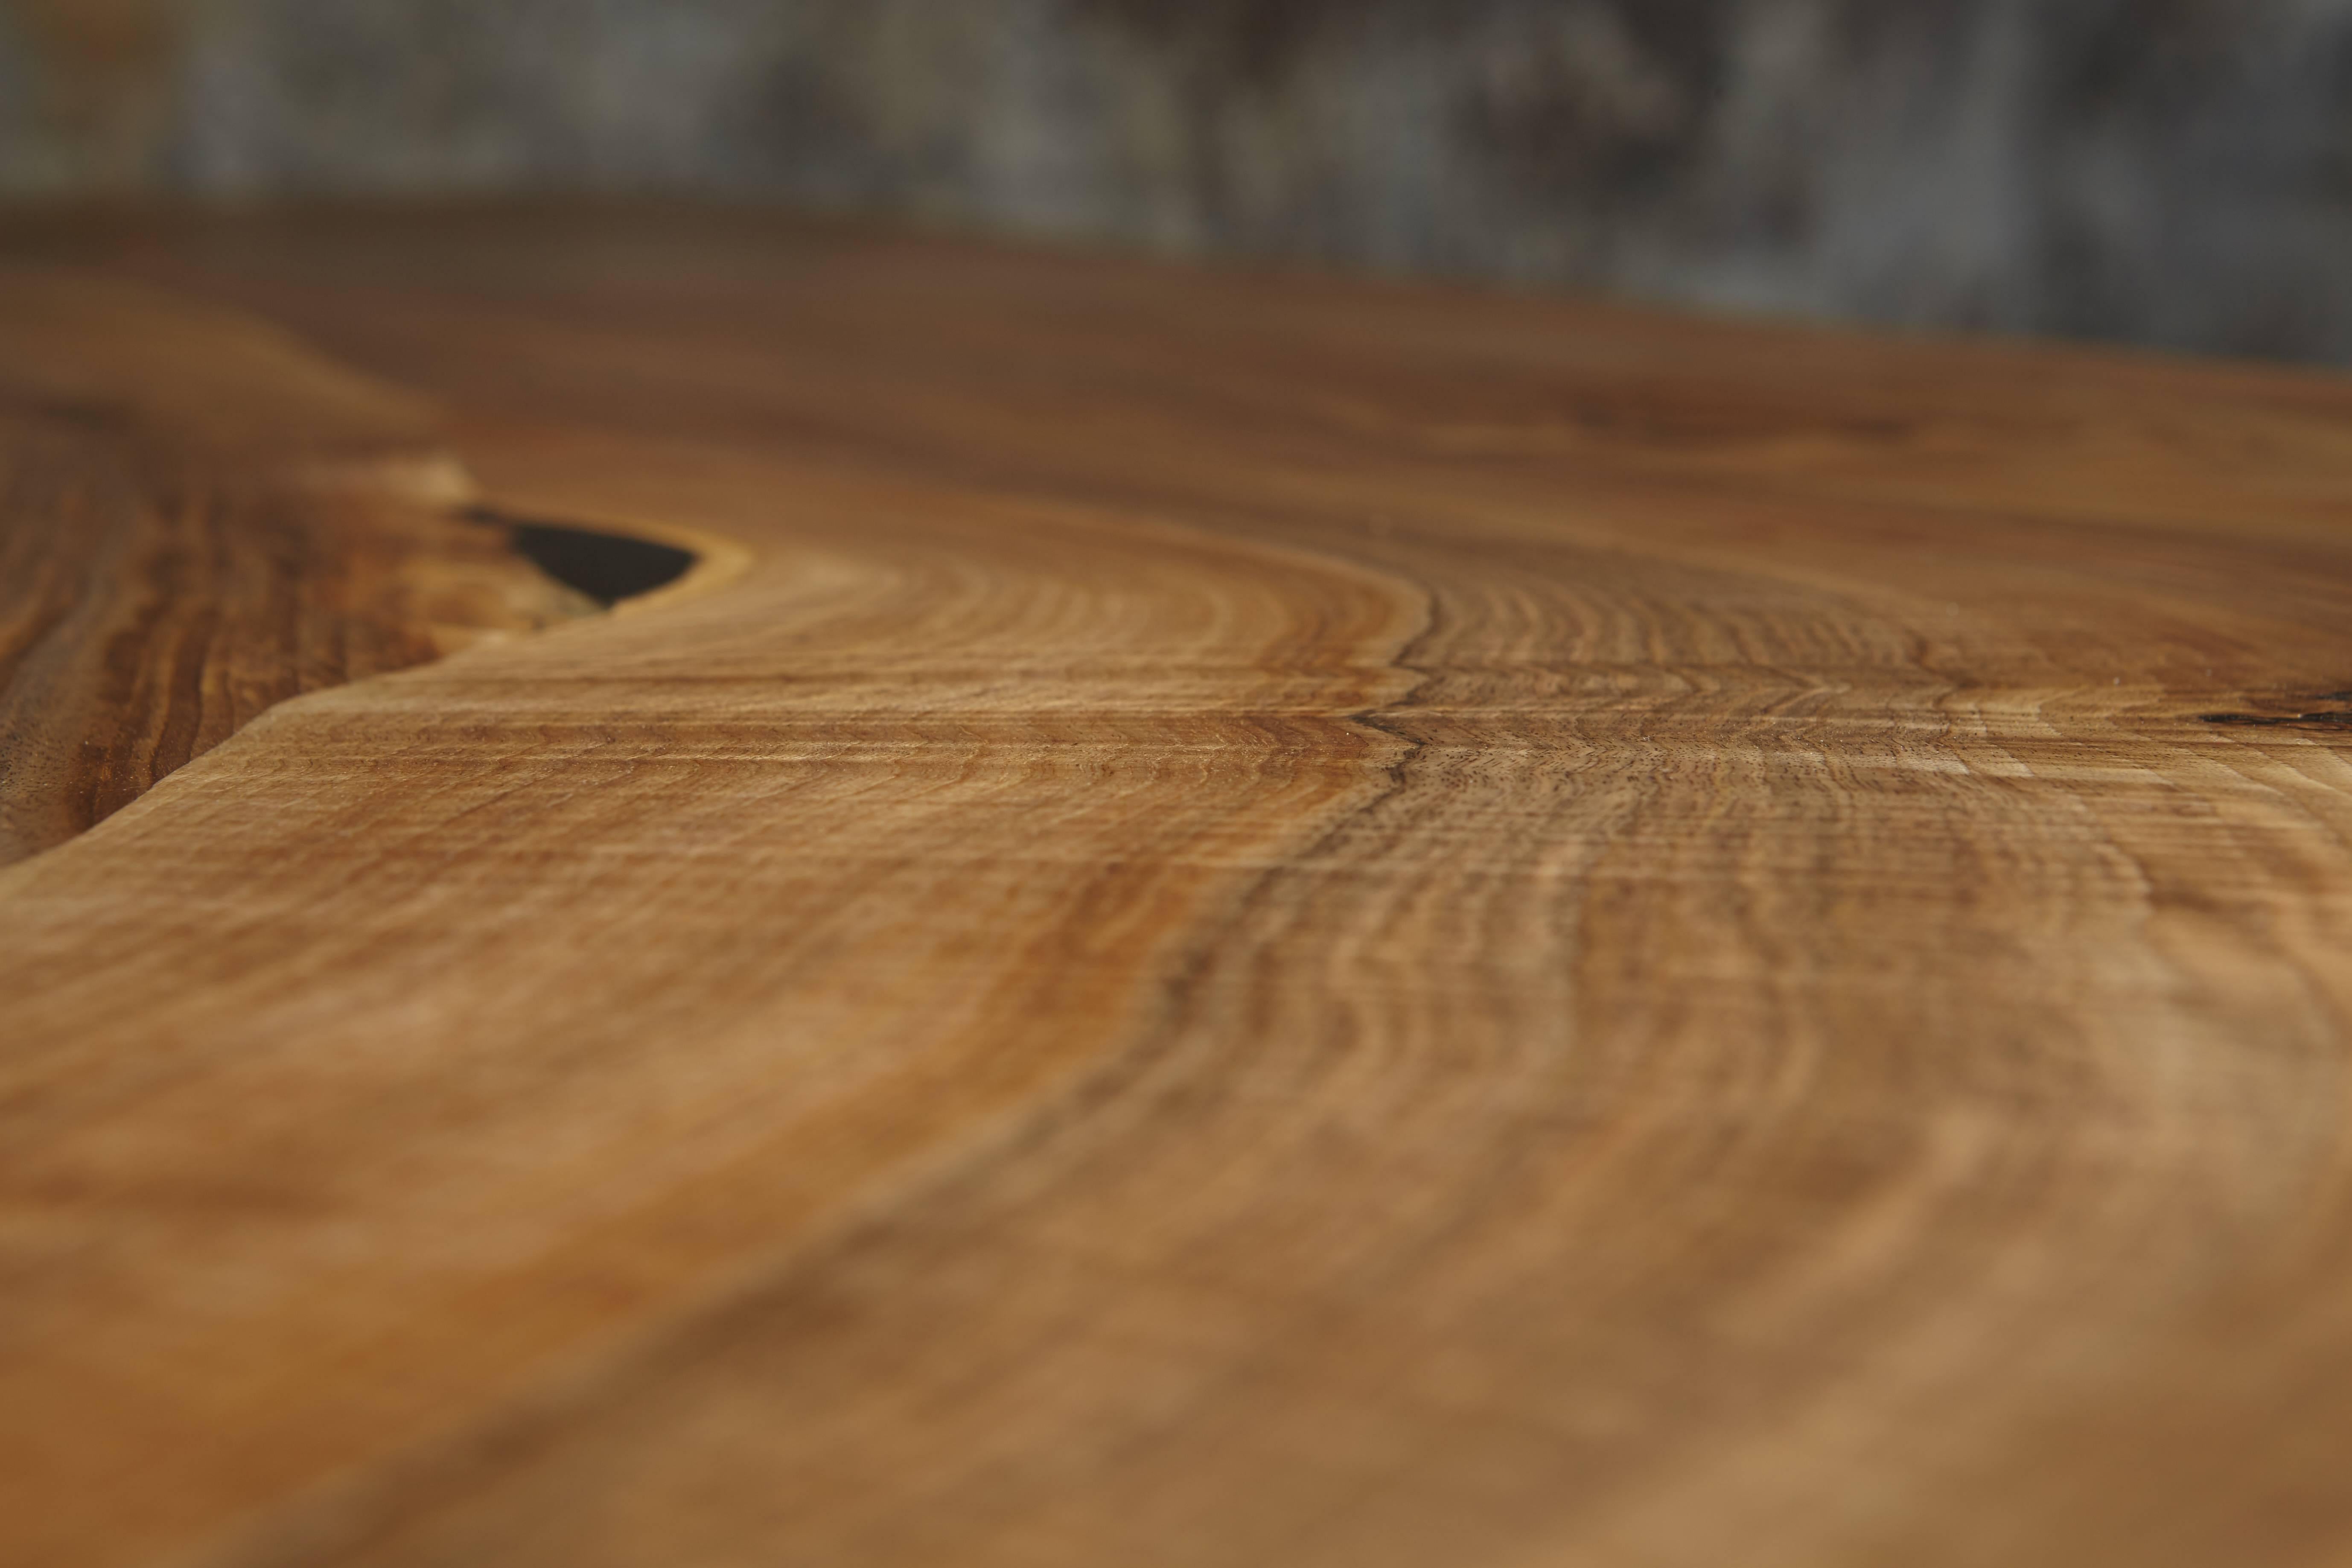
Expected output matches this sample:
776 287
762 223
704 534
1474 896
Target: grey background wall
2169 172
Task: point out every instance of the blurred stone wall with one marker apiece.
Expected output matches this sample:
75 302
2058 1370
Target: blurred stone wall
2171 172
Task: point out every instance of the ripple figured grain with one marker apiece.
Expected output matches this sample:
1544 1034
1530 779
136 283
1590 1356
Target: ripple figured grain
1278 921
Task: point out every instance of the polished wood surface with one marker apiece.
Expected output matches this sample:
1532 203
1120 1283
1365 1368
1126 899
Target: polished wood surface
198 520
1235 919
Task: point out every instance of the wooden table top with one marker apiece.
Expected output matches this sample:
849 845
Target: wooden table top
1233 917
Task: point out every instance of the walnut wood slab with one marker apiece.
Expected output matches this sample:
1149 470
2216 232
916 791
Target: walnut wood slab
1235 920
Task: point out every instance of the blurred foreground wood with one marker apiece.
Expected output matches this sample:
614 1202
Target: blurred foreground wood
1234 920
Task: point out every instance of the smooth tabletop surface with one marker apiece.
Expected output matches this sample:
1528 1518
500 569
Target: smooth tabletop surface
1236 918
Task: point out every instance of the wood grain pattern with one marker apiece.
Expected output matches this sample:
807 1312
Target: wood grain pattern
1267 920
203 518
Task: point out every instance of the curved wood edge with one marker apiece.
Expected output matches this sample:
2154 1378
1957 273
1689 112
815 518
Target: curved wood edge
200 518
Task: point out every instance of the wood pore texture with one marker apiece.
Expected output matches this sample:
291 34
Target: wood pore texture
1239 919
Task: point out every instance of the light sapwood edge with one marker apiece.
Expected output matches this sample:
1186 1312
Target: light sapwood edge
441 479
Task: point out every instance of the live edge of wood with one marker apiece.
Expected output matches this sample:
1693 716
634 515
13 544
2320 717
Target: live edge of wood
200 519
1266 919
